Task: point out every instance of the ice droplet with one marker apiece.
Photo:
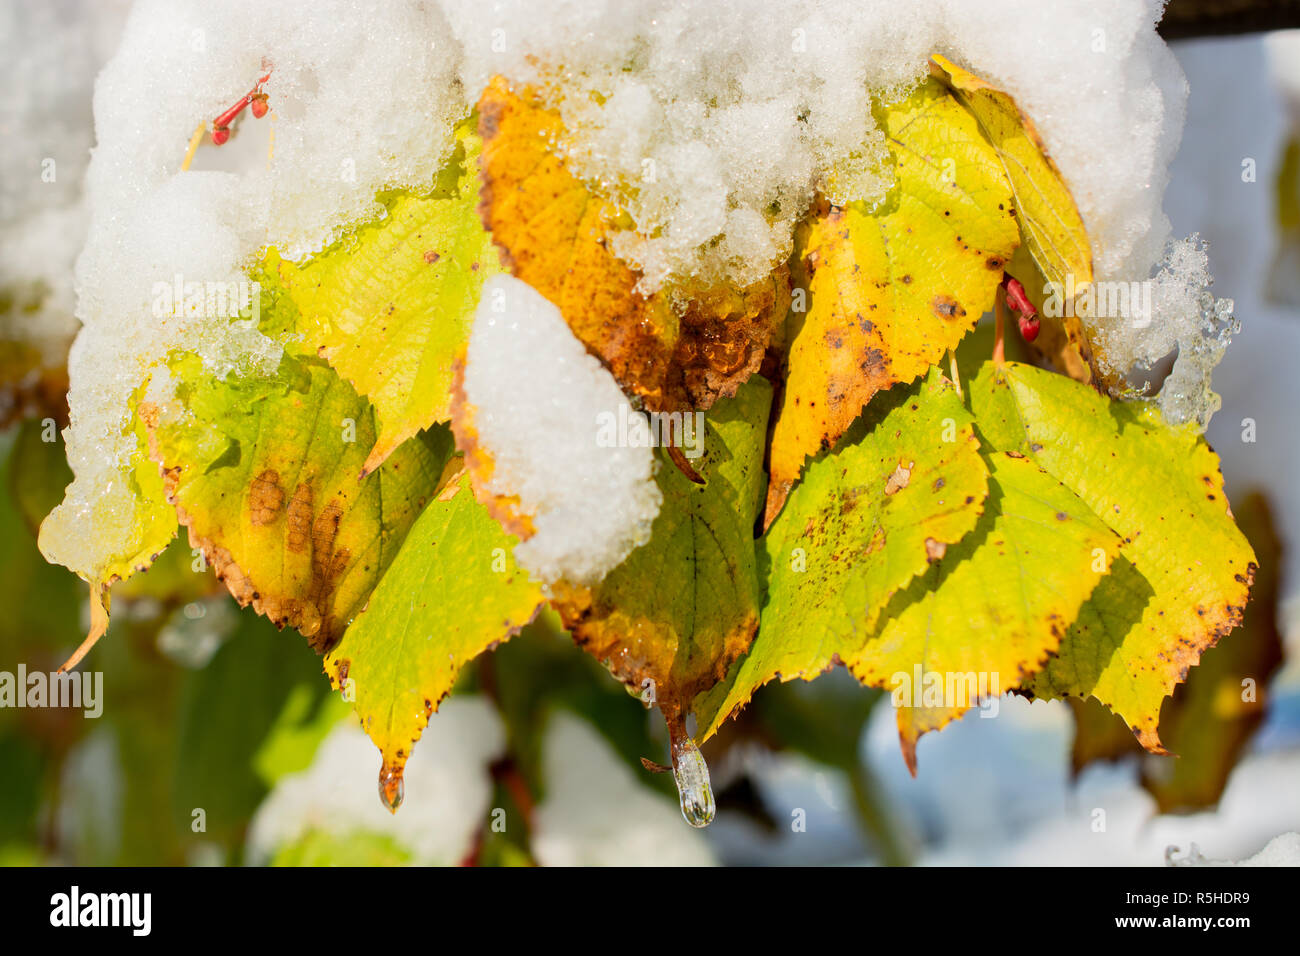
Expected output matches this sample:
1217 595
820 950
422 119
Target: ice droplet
693 787
391 787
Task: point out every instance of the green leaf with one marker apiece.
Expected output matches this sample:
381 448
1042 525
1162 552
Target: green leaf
41 600
389 306
265 471
673 616
989 611
863 522
318 847
303 721
1185 571
452 592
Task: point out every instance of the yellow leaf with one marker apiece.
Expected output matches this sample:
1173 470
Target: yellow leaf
681 347
265 472
389 306
891 288
1053 229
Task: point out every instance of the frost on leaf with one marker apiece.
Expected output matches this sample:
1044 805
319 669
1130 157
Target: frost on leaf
533 418
891 287
682 347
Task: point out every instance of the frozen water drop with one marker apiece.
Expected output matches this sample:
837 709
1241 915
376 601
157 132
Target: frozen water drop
391 787
693 787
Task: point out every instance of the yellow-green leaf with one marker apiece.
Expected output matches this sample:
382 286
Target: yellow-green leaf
681 608
452 592
266 474
861 524
389 305
1209 720
1185 571
990 610
1053 229
891 288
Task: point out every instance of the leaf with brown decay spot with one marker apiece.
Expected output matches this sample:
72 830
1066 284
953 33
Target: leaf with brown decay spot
681 347
1054 233
1054 244
891 288
262 475
986 615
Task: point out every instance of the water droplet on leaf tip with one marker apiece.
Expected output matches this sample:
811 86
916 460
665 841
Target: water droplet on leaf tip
392 788
693 788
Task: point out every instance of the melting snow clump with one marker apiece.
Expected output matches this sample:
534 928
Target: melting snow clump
536 397
363 97
1185 316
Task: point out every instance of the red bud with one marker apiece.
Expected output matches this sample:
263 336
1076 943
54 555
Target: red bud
220 135
1029 326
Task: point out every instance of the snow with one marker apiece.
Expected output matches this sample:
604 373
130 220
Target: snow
448 789
714 122
537 398
362 98
1283 850
49 55
596 814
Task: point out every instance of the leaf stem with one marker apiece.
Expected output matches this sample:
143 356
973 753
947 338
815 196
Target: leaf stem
875 818
194 145
999 333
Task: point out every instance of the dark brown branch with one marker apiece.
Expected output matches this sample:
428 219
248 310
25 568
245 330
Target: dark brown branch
1207 18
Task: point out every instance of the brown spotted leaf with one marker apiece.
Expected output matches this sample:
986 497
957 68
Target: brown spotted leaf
1184 574
1053 229
891 288
265 472
991 609
859 527
1209 720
